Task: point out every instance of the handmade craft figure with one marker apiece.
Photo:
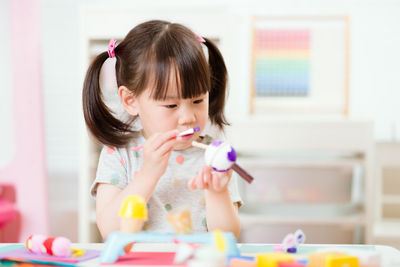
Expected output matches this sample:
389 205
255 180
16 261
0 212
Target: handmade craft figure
221 156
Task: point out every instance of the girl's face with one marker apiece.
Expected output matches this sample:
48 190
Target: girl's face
159 116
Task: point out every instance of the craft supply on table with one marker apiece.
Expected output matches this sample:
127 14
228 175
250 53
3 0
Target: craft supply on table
20 253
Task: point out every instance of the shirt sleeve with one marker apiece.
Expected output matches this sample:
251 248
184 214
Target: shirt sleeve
234 189
111 169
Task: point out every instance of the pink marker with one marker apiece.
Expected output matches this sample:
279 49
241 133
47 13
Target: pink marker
184 133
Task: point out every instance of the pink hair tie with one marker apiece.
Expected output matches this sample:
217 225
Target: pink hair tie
111 47
199 38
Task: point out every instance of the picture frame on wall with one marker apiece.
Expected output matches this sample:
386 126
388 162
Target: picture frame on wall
300 65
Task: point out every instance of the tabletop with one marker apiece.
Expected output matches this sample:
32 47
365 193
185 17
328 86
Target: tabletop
390 257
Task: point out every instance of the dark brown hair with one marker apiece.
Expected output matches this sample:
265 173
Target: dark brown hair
149 54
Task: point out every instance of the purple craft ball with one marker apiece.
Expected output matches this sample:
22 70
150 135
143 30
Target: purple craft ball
220 156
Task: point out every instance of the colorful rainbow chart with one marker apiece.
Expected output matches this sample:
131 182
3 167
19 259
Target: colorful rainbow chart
282 62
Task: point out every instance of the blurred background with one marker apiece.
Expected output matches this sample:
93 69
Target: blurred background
313 103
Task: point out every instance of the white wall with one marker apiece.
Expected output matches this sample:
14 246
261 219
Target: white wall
62 92
62 87
374 55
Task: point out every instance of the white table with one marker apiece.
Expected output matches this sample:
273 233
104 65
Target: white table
390 255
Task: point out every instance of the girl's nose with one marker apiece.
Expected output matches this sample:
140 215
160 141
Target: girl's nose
186 116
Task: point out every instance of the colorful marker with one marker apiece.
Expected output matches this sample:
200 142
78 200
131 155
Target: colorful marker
184 133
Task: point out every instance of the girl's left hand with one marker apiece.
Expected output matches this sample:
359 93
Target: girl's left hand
210 180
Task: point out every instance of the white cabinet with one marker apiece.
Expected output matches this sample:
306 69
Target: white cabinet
313 174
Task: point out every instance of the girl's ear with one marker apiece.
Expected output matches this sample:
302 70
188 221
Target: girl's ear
128 100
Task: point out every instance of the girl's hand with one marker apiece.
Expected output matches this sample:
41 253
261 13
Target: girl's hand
156 153
210 180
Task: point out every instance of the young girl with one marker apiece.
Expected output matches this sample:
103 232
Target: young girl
166 85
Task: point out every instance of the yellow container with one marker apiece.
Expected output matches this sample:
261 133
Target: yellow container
134 207
273 259
341 260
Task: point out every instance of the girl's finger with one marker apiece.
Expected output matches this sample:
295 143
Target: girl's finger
167 147
149 144
207 176
215 181
200 179
164 137
226 178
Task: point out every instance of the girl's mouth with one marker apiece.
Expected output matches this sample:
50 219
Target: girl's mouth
186 137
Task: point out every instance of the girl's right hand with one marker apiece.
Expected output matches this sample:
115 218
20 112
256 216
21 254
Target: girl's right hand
156 153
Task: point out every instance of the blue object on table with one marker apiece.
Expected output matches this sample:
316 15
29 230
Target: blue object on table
116 241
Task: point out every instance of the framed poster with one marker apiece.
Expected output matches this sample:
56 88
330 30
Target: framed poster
300 65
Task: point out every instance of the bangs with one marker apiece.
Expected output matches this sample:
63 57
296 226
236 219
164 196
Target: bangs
178 66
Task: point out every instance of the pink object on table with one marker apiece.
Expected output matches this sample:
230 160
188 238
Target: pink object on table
278 248
57 246
148 258
25 255
34 243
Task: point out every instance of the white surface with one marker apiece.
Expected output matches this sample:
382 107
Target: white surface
390 255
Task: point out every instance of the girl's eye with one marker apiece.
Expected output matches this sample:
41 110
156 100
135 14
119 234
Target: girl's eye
198 101
170 106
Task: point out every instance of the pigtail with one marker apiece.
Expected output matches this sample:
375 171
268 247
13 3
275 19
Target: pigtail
102 124
219 78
